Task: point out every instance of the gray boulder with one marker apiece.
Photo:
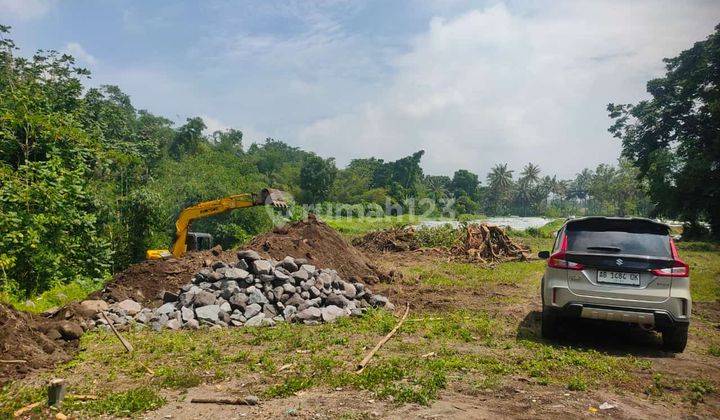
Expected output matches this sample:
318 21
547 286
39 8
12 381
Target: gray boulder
378 301
310 314
261 267
248 255
289 264
174 324
169 296
252 310
204 298
300 274
308 268
166 309
225 307
235 274
332 312
348 290
238 301
257 297
337 300
289 312
89 308
255 321
208 313
187 314
130 307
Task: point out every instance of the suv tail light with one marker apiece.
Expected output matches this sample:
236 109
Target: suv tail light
679 268
557 260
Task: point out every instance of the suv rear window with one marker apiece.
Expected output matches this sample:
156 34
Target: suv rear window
619 242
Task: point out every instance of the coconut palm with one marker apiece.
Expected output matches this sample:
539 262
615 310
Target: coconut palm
530 173
500 180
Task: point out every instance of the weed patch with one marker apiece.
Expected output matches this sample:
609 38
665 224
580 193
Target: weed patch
123 404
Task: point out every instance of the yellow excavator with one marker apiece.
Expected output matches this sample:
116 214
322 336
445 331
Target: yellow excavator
196 241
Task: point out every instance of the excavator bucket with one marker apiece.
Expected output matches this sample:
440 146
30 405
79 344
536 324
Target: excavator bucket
273 197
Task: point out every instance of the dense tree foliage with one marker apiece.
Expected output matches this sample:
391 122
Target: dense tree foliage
88 182
674 138
316 178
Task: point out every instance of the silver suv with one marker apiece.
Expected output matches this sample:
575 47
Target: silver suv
617 269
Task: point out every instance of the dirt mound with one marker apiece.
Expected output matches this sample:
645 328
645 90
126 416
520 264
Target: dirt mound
389 240
321 245
144 282
486 243
35 340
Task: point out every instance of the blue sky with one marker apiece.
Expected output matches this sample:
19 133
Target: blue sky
472 83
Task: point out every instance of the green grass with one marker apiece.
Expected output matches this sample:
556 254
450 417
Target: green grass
464 345
547 230
122 404
353 227
460 274
57 296
704 261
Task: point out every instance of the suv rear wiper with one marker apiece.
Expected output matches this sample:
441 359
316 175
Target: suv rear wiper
605 248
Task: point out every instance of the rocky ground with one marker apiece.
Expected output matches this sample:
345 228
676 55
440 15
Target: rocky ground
252 292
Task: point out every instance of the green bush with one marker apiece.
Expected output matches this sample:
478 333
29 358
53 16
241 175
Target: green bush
48 229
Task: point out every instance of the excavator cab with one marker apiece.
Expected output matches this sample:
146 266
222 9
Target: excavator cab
196 241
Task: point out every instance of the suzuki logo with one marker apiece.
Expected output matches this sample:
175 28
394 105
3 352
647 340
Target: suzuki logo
619 261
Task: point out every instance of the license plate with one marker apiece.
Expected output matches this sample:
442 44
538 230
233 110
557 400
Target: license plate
615 277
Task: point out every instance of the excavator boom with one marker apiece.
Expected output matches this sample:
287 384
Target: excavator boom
267 196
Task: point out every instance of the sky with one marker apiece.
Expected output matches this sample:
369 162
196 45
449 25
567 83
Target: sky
473 83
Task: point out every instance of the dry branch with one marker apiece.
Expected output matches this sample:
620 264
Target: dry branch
229 401
19 412
366 360
124 342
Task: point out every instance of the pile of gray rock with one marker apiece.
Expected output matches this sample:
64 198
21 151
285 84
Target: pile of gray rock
252 292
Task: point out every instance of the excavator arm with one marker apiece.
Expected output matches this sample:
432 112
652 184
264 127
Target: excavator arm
210 208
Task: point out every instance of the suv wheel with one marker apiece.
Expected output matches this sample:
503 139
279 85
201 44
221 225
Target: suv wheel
550 323
675 338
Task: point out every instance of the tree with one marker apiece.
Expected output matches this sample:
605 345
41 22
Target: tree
189 138
402 177
228 141
673 138
464 182
353 183
316 178
530 173
438 186
526 186
500 183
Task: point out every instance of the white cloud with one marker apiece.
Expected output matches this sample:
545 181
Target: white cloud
25 9
494 85
77 51
213 124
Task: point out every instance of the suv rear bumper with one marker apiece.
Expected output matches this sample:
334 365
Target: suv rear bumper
659 318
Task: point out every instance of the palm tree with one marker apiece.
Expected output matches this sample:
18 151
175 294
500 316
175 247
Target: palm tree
500 177
530 173
500 180
525 192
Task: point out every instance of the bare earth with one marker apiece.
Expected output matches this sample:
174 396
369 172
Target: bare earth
517 397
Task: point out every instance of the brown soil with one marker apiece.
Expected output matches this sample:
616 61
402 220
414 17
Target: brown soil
321 245
145 281
33 339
